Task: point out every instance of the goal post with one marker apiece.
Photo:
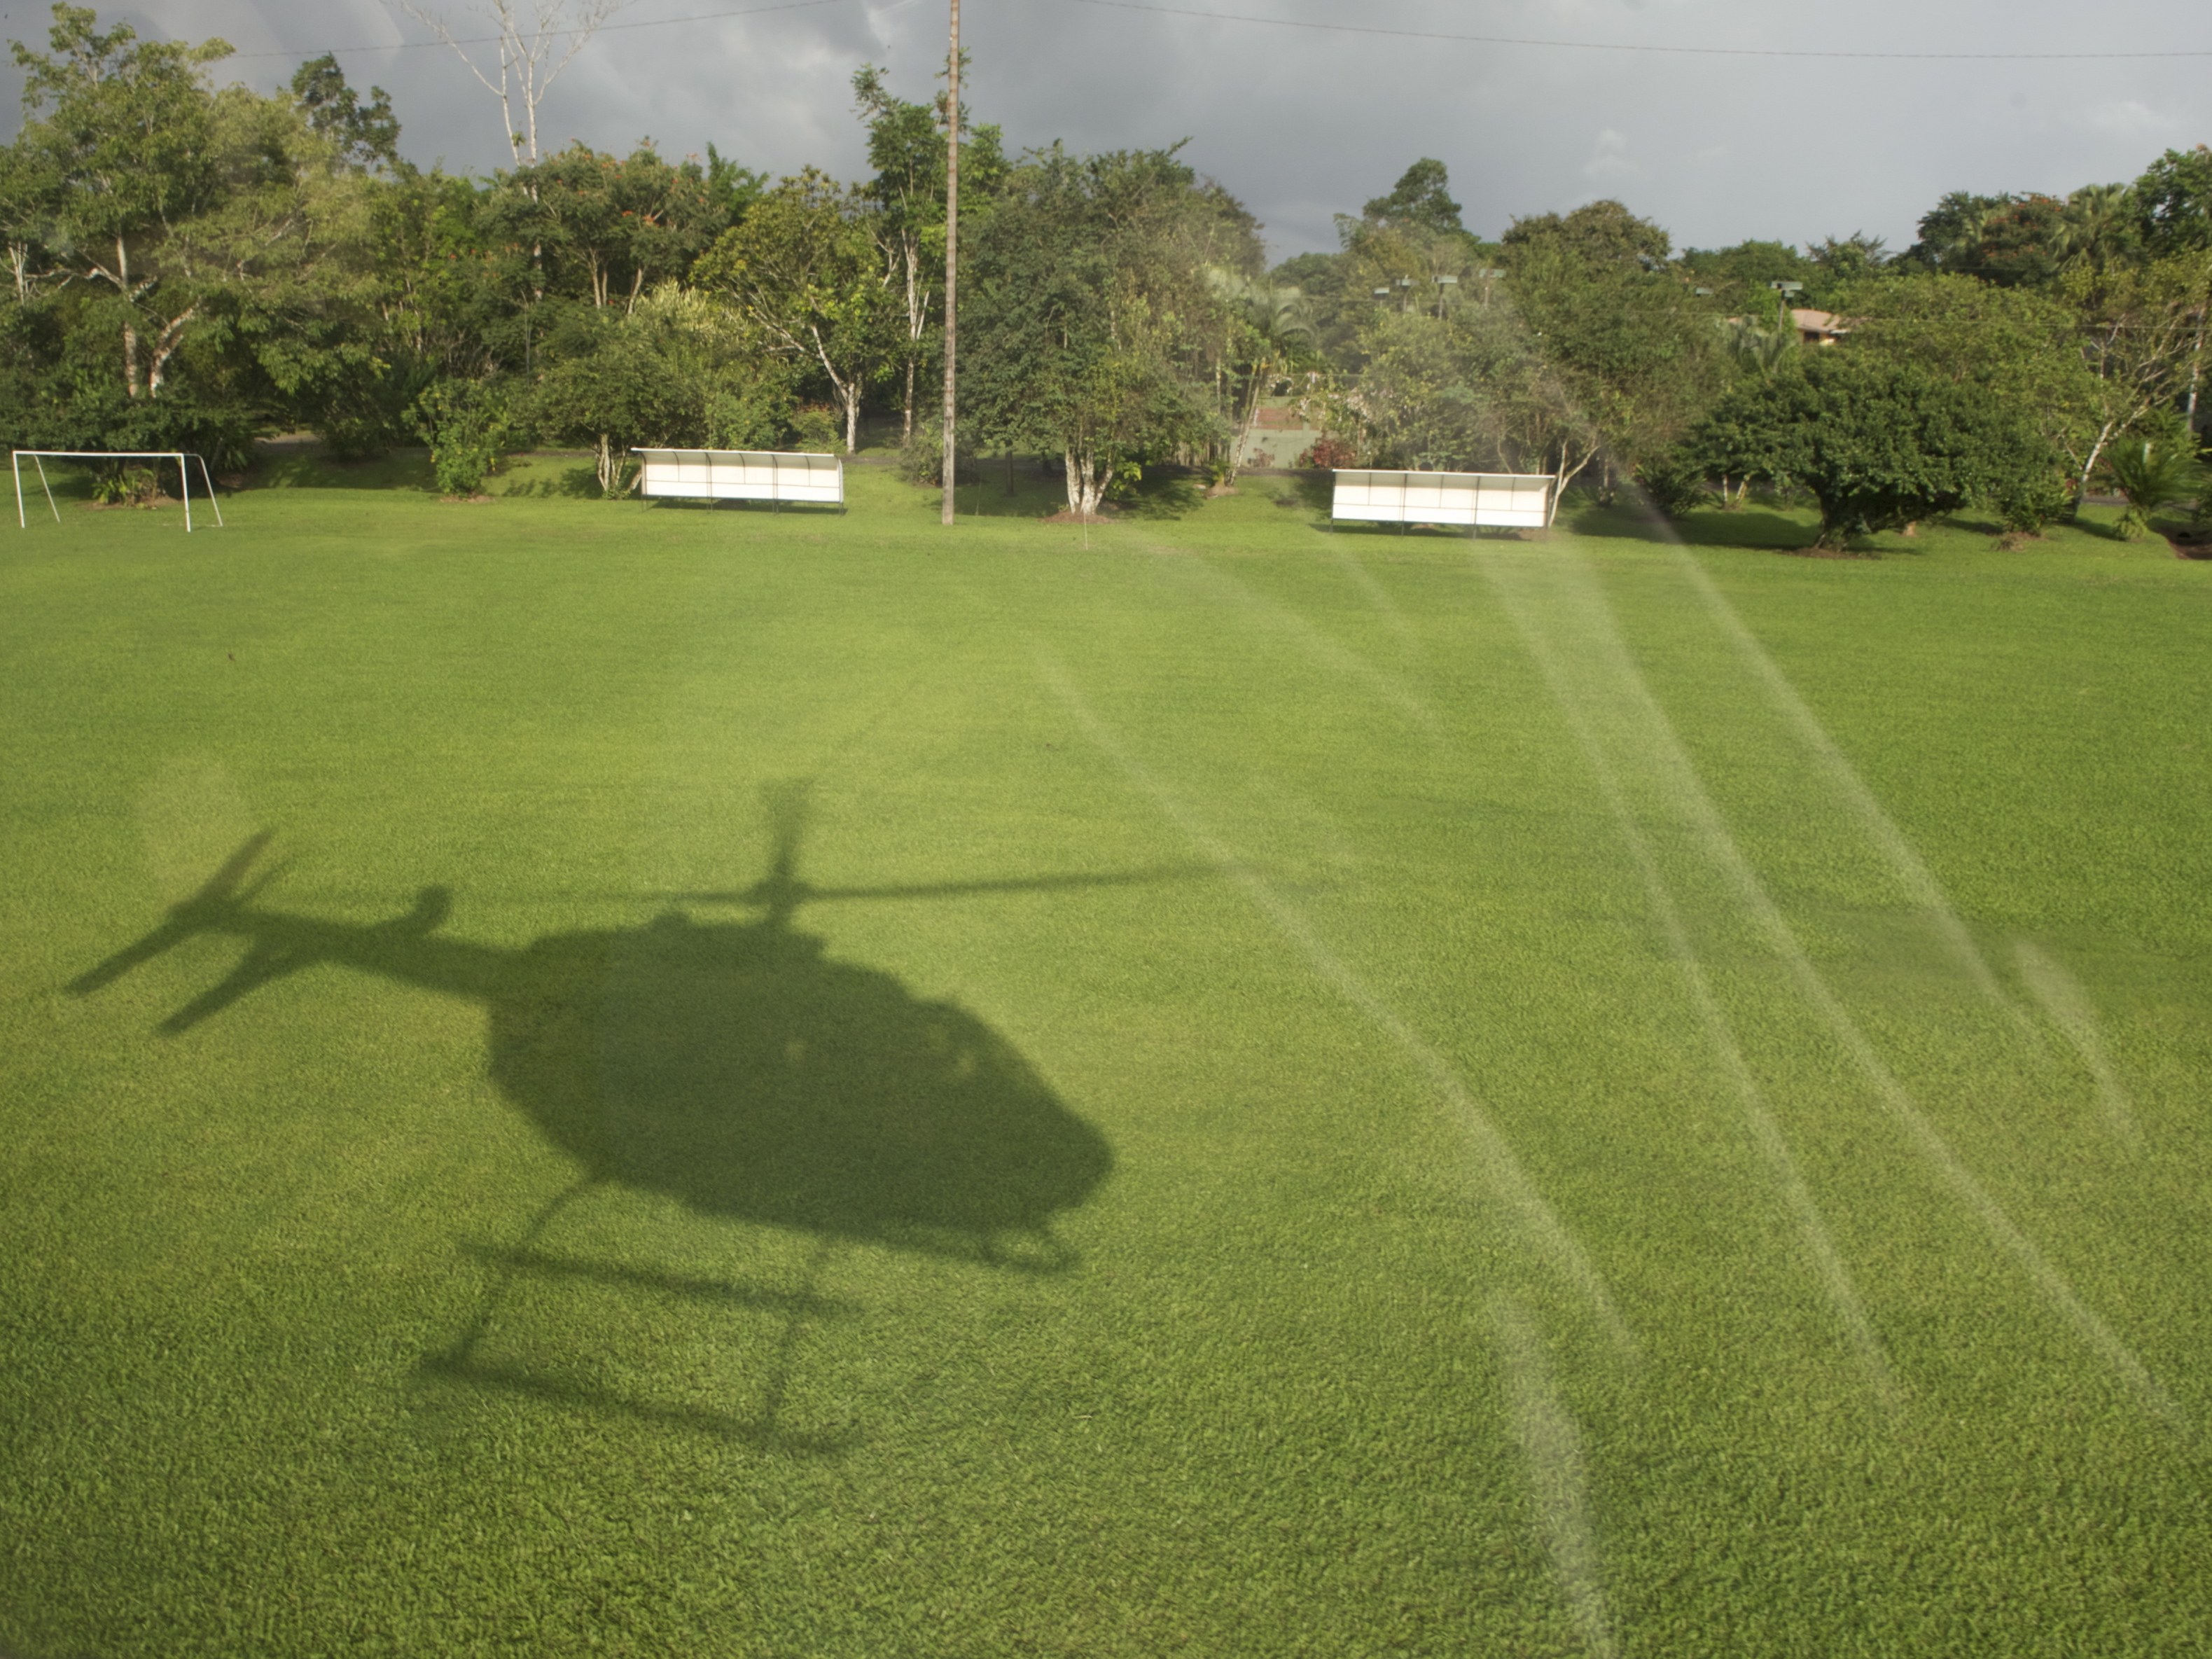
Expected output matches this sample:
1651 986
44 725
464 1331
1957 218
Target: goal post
38 459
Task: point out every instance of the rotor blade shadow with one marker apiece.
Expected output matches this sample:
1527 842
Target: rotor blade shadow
191 916
944 889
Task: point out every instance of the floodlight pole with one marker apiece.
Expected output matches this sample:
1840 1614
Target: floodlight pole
952 505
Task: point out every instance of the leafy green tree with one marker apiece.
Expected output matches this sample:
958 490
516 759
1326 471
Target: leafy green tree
443 284
676 370
1950 231
2017 347
2013 241
1738 274
619 392
907 147
1834 264
199 259
605 229
1090 311
803 272
2142 332
1409 246
1323 279
1756 346
117 146
1472 390
1879 443
365 135
1628 347
1436 393
1598 234
1587 355
2173 201
730 188
285 257
1421 201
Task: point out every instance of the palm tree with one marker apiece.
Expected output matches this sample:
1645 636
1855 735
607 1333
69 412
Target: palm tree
2098 226
1761 350
1275 319
2150 475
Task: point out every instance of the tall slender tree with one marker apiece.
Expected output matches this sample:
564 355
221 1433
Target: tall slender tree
908 149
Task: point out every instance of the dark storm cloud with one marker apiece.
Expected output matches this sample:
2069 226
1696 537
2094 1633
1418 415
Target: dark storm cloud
1302 124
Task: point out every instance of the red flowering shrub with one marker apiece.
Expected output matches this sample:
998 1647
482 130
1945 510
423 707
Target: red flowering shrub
1330 453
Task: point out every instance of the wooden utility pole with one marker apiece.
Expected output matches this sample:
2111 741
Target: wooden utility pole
952 252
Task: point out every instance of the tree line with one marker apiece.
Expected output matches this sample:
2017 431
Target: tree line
192 265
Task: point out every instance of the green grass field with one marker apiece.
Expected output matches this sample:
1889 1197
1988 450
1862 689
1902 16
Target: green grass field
745 1084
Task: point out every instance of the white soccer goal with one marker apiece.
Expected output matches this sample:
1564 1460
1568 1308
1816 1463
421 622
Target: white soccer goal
39 457
1524 500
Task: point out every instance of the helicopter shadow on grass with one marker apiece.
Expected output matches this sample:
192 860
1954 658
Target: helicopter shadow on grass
731 1065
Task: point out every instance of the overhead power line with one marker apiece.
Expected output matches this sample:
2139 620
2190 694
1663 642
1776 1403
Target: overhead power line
493 39
1335 28
1609 46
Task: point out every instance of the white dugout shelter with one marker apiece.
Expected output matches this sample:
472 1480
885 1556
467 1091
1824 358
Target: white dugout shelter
40 457
743 474
1512 499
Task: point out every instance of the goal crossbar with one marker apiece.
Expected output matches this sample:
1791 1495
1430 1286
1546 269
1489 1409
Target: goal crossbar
39 457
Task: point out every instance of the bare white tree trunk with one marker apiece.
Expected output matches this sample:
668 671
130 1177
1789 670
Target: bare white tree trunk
916 322
1086 479
2196 365
524 51
165 346
2096 449
616 479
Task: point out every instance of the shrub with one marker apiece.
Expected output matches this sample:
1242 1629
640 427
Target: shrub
818 429
466 422
374 409
1128 476
2030 504
756 416
106 419
131 483
1675 482
921 458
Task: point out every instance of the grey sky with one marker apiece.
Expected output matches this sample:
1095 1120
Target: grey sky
1301 124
